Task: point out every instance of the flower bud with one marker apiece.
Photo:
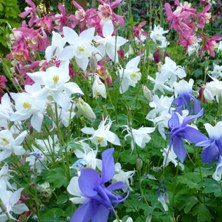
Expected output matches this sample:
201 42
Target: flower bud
147 93
139 164
85 110
98 88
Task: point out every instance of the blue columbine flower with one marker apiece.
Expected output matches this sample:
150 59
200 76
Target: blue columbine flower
180 130
185 98
99 199
212 145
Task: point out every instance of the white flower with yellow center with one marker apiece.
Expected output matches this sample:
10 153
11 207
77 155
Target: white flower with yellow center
80 46
103 134
139 136
9 144
110 43
130 75
26 106
55 85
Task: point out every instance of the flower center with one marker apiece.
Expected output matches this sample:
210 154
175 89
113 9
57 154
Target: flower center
133 75
26 105
56 79
99 139
5 141
81 49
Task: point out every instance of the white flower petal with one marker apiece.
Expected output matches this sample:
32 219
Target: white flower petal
108 29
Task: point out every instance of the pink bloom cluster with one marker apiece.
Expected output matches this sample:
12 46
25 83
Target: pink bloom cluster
189 23
29 42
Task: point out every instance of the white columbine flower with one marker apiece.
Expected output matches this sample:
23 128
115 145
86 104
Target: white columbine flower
5 110
55 85
9 144
26 106
217 71
110 44
130 75
160 115
171 70
170 156
139 136
80 46
4 178
89 157
123 176
99 88
167 76
213 90
55 49
103 134
10 202
157 36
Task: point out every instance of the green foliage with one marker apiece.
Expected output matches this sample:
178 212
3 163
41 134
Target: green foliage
8 18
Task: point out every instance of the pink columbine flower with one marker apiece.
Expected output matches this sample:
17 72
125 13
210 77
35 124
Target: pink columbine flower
139 33
106 11
204 16
46 22
64 20
210 45
31 11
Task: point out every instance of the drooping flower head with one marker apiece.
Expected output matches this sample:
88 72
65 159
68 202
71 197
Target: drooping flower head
98 199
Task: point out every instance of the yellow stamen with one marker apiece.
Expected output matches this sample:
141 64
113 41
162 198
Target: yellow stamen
26 105
99 139
81 49
56 79
133 75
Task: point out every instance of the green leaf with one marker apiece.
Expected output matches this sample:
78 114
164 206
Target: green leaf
56 177
52 215
202 213
190 180
211 186
187 203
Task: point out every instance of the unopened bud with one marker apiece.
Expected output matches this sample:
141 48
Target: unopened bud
147 93
93 63
85 110
139 164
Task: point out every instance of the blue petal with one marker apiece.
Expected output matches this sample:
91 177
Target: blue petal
89 181
210 153
117 186
84 213
101 215
179 148
193 135
108 165
174 121
197 106
192 117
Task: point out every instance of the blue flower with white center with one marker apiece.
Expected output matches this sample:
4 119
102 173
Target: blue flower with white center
184 98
